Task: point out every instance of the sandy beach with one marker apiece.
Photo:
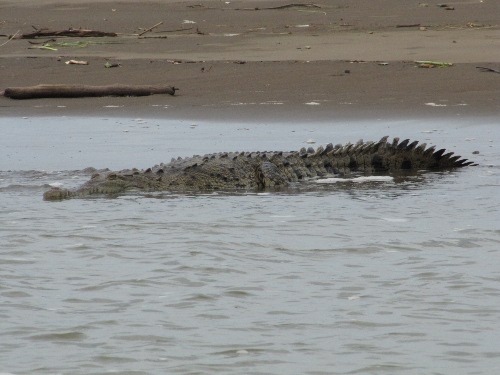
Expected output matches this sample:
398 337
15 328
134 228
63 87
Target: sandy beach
260 59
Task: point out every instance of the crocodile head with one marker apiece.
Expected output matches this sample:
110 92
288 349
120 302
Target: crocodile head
100 184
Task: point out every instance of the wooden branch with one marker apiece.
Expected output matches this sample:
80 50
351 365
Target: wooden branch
408 25
151 28
286 6
175 30
485 69
80 91
10 38
80 33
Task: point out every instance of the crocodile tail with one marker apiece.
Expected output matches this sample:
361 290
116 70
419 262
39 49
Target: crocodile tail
387 156
403 155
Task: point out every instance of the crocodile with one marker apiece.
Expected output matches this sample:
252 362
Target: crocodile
268 170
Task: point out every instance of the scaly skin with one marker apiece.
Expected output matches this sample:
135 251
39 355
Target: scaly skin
267 170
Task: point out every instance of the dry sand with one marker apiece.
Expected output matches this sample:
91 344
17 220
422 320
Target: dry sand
240 59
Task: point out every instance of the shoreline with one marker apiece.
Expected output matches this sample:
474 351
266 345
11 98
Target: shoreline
266 90
276 119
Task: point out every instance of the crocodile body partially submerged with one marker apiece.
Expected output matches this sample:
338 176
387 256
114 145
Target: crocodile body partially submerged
255 171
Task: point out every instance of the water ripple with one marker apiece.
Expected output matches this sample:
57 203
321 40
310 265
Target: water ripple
392 277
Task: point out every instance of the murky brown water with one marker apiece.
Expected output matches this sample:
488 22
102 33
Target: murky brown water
372 278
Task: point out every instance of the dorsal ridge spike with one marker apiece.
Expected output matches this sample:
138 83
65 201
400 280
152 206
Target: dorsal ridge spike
319 150
383 139
430 150
402 145
328 148
439 153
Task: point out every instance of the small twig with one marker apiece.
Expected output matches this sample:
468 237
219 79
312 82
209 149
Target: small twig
154 37
174 30
47 41
294 6
164 31
151 28
10 38
286 6
484 69
410 25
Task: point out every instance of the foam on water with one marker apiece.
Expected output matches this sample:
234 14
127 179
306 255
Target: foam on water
361 179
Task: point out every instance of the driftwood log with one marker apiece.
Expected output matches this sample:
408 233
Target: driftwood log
80 91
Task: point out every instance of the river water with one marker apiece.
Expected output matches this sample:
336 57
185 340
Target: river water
377 277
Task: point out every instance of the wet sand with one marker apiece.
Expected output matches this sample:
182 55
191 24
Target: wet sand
246 60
